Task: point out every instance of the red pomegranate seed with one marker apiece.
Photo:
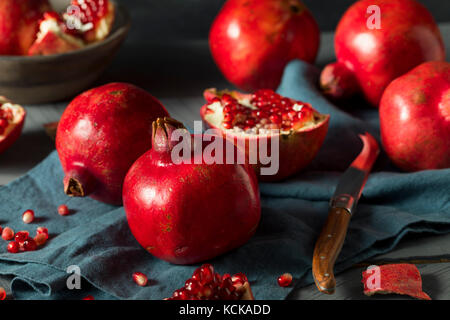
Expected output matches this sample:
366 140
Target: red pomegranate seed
140 279
270 111
7 234
89 297
40 239
42 230
227 125
63 210
192 286
285 280
28 216
13 247
2 294
207 272
21 236
29 245
197 275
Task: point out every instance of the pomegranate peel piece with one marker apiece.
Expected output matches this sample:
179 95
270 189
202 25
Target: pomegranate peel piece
12 119
403 279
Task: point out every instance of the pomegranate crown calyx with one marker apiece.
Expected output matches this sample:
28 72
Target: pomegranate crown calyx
162 132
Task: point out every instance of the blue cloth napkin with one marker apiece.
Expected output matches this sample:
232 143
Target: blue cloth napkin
96 237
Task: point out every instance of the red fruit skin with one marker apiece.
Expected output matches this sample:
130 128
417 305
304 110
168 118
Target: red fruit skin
50 44
401 278
7 141
296 150
100 134
189 213
251 41
19 21
415 118
408 37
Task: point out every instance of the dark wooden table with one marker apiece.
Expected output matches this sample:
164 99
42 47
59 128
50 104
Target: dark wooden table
177 74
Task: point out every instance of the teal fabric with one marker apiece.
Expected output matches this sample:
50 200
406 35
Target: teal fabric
97 239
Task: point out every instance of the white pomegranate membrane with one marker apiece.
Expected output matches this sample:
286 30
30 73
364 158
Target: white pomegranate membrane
258 113
10 116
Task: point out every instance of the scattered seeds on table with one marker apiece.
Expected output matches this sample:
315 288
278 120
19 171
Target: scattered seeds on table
7 234
285 280
40 239
63 210
28 216
140 279
13 247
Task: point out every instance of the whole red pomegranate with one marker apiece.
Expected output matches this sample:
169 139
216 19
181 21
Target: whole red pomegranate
19 21
12 119
371 53
100 134
251 41
248 120
188 211
415 118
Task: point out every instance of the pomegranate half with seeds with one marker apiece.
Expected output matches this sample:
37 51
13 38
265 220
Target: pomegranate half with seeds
183 206
100 134
206 284
12 119
263 116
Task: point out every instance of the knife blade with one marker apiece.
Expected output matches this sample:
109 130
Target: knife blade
342 207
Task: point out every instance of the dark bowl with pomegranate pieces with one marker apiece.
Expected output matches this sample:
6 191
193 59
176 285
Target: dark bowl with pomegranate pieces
41 79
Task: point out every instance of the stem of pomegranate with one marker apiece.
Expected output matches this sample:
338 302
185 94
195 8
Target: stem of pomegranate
78 183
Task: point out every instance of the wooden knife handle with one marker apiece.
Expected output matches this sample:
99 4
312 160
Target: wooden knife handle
328 247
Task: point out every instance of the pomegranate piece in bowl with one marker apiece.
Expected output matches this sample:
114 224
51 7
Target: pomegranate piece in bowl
93 18
206 284
263 116
19 21
12 119
54 37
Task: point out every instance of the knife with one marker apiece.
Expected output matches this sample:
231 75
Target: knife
342 207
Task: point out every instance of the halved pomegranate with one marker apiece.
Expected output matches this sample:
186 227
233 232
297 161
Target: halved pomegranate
265 114
12 119
206 284
54 37
94 18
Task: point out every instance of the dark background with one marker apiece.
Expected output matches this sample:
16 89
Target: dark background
190 19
